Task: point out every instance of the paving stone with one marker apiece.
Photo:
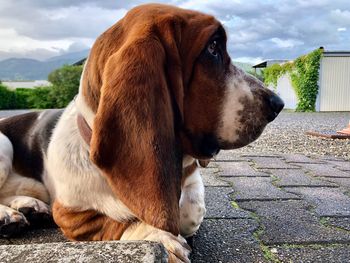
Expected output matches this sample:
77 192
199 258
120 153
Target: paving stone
272 163
341 165
343 182
296 177
299 158
325 170
227 241
230 156
210 177
313 254
93 252
238 169
327 201
218 204
329 158
342 222
291 222
212 164
46 235
261 155
257 188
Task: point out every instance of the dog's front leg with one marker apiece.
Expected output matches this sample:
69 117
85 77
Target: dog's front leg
192 205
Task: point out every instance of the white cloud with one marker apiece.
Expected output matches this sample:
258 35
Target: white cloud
341 17
286 43
256 29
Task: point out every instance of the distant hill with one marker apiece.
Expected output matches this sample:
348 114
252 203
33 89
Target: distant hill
31 69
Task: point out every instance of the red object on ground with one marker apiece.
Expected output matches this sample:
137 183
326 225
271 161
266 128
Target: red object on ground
345 131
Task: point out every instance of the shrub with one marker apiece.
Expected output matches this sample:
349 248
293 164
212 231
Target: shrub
65 84
303 73
7 98
22 95
41 98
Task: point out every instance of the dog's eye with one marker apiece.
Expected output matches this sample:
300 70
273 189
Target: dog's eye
213 48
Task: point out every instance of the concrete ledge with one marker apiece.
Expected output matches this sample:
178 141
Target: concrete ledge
92 252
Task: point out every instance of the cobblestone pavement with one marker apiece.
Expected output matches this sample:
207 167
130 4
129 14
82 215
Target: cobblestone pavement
275 207
265 208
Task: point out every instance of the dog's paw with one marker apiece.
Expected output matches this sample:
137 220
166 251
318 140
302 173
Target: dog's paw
177 247
36 211
12 222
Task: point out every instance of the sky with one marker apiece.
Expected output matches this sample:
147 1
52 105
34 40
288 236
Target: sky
257 29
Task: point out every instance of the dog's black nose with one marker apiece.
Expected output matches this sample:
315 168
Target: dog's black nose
276 105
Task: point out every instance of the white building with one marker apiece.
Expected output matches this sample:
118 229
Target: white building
334 83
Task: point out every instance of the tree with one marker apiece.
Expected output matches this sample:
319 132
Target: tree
65 84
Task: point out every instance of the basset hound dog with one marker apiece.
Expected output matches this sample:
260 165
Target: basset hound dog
158 91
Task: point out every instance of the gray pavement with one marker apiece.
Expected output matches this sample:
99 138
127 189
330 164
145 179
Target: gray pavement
261 207
276 213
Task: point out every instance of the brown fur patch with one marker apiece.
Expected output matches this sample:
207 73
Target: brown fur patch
134 81
87 225
204 162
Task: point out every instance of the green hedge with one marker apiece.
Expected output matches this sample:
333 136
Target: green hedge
65 85
21 98
303 73
7 98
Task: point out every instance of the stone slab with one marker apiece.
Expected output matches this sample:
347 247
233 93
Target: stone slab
299 158
292 222
310 254
264 155
272 163
341 222
239 169
94 252
343 182
46 235
257 188
230 156
330 158
218 204
296 178
325 170
327 201
210 177
341 165
227 241
212 164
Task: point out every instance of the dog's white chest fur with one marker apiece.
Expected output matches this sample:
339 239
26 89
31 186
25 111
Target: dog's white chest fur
72 178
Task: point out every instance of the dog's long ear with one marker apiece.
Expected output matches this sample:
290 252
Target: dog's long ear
134 140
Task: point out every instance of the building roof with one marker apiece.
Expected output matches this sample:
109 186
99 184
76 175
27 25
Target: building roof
266 63
270 62
79 63
336 53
